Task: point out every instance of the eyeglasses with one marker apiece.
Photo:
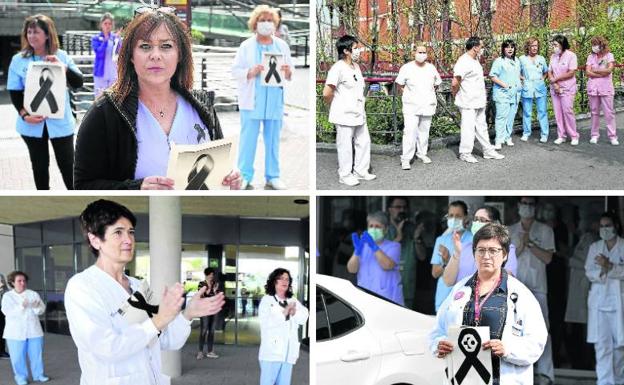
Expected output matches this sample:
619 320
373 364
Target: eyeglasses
148 8
481 220
491 251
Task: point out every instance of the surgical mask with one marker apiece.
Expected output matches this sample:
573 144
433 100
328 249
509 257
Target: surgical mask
476 226
607 233
265 28
595 48
548 215
421 57
526 211
557 50
355 54
376 233
454 223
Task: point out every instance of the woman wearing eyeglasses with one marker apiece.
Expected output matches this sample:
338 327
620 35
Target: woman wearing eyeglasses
491 297
462 262
126 136
280 316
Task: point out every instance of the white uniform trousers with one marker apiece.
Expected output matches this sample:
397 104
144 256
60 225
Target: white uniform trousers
415 136
473 124
544 365
349 138
609 357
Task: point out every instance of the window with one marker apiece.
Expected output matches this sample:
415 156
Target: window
334 317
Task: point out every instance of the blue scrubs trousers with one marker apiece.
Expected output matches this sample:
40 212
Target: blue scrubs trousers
275 373
250 129
18 350
505 116
542 115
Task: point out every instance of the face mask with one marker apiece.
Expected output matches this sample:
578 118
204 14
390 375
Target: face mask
421 57
355 54
265 28
595 48
454 223
607 233
476 226
526 211
557 50
549 215
376 233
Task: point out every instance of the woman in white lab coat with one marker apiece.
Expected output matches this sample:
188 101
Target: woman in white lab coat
604 268
23 333
118 332
517 329
280 316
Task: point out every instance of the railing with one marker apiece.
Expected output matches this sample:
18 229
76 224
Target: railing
384 108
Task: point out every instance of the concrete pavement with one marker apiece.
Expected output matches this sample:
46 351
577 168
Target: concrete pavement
528 166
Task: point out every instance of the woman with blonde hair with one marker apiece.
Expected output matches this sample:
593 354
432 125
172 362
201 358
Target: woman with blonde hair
599 69
533 69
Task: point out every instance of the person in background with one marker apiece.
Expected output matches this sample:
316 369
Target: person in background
208 323
534 71
376 260
599 69
604 268
106 46
23 334
282 29
3 289
40 43
505 75
417 82
561 73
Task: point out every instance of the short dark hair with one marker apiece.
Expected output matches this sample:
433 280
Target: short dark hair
13 275
345 42
493 231
209 270
472 42
492 211
563 41
614 219
273 277
509 43
392 199
98 215
461 204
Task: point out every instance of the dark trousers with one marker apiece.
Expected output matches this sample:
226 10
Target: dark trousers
206 333
2 323
40 158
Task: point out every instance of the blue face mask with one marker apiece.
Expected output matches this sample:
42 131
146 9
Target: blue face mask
454 224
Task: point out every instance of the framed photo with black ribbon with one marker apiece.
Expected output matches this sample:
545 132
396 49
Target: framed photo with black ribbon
201 166
45 90
272 75
468 363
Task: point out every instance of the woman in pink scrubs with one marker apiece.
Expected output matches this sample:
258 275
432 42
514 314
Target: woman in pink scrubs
561 71
600 88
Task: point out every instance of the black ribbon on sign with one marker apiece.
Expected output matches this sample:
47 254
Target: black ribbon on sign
283 304
46 79
272 70
471 357
142 304
201 134
199 173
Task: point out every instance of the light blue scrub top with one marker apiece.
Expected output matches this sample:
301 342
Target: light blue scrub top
508 71
269 101
154 146
371 276
442 291
57 128
534 86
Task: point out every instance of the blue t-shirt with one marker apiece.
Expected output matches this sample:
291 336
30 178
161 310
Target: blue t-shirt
57 128
154 146
371 276
442 291
269 101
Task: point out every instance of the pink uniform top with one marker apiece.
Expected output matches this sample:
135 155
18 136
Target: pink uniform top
560 64
600 86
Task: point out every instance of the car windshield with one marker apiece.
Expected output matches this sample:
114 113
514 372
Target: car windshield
377 295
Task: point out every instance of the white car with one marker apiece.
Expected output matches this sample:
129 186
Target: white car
364 339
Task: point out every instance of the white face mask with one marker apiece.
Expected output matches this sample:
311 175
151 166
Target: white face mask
607 233
526 211
265 28
355 54
421 57
595 48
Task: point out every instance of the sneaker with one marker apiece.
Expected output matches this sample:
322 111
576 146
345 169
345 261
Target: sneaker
366 176
509 142
246 185
468 158
405 165
43 379
559 141
349 180
21 382
425 159
212 355
524 138
593 140
615 142
493 155
4 356
498 146
275 184
200 356
544 139
574 142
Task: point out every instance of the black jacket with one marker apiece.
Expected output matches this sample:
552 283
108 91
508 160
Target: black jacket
106 146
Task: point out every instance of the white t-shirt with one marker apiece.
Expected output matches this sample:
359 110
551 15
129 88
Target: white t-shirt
531 269
471 93
419 97
347 107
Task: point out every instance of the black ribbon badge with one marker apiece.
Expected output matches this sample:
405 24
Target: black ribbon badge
272 71
199 173
283 304
470 344
46 79
142 304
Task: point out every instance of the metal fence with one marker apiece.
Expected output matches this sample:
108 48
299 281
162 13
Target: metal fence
384 108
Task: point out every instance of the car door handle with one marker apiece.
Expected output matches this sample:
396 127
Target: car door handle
354 355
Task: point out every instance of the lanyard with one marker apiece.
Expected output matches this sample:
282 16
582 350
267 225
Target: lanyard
478 306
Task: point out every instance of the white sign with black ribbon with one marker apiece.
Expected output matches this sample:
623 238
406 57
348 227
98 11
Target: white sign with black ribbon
45 90
468 363
272 75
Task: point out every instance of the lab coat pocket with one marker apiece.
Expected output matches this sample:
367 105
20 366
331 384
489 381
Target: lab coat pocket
278 346
130 379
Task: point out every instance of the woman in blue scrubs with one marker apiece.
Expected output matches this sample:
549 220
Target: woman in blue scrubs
505 74
534 69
